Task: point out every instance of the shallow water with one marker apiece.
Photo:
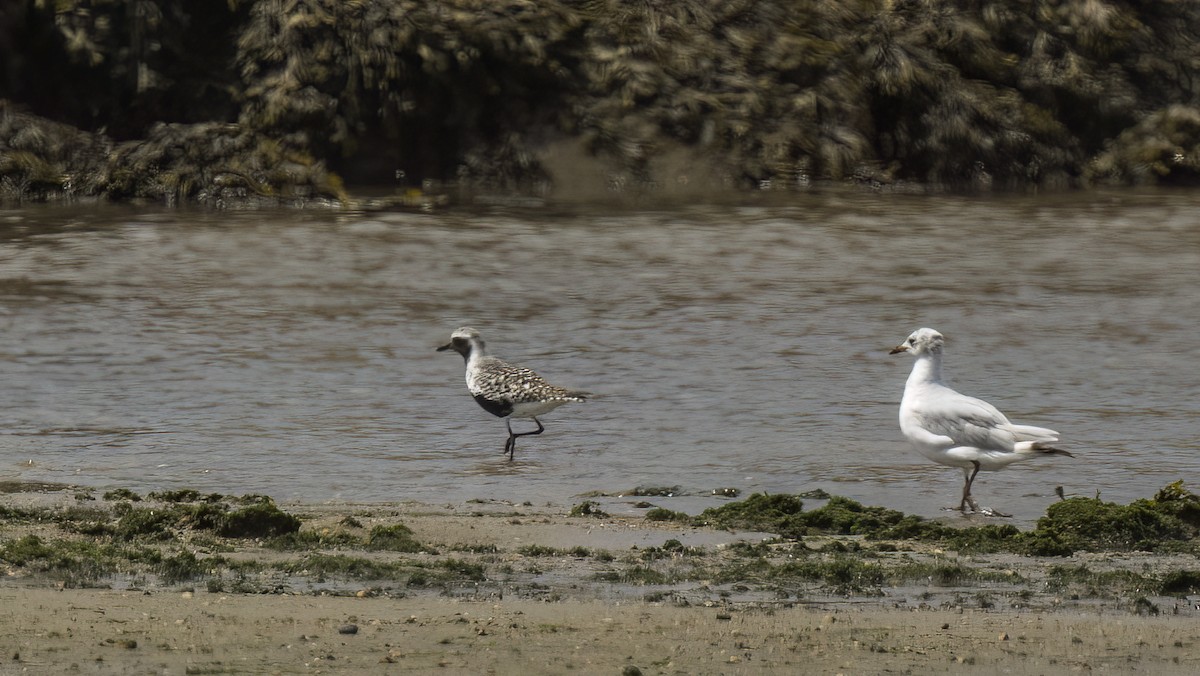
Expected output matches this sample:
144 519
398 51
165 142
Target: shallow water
292 353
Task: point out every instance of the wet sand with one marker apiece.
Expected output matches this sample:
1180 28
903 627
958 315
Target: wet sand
99 631
552 614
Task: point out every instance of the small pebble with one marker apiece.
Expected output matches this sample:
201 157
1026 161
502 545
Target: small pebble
348 629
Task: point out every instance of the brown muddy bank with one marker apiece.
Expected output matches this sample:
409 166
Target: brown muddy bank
106 631
1135 558
122 582
272 102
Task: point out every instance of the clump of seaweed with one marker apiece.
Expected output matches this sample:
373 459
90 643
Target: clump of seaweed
846 574
843 516
262 520
412 573
397 538
1087 582
75 563
189 511
588 508
324 538
776 513
662 514
1180 582
182 566
1171 521
1177 501
177 495
785 515
159 523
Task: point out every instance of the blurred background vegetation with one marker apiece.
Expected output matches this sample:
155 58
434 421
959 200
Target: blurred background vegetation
283 100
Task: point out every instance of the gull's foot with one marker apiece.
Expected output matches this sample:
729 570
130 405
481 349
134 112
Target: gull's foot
985 511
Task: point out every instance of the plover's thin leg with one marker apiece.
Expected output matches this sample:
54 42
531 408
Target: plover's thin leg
511 446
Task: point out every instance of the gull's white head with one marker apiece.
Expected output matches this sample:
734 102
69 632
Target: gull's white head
921 341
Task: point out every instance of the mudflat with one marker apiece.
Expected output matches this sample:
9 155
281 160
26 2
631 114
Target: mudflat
516 588
104 631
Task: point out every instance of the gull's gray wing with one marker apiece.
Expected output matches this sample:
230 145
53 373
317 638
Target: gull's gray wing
967 420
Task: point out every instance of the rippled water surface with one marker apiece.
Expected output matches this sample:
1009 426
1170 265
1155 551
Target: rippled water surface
292 353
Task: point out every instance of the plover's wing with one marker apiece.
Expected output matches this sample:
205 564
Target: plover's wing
499 380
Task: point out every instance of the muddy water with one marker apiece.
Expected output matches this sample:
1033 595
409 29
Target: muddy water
292 353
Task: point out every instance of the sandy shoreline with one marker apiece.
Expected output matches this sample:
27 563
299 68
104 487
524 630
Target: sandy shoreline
99 631
548 593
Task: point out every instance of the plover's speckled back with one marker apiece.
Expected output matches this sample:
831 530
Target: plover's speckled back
506 390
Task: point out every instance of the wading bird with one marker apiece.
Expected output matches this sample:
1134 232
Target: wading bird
506 390
960 431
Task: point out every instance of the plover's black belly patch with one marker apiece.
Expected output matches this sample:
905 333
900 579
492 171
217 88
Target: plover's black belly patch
499 409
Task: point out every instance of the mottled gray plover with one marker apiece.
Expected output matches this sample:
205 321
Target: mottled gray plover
955 430
506 390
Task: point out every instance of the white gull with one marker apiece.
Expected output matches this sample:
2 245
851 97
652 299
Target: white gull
955 430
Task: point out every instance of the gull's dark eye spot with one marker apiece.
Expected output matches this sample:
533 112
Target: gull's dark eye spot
912 340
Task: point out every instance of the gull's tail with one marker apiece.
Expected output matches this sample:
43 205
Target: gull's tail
1032 447
1031 433
1033 440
